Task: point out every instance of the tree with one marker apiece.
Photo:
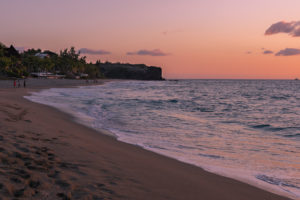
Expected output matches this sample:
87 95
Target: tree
93 71
70 62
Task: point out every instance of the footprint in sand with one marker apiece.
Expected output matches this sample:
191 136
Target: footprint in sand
62 183
63 196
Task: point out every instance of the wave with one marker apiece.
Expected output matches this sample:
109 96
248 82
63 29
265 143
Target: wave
292 135
203 122
211 156
286 185
261 126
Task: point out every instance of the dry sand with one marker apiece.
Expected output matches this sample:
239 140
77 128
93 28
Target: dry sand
44 154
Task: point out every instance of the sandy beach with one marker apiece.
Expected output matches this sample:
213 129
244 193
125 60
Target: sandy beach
44 154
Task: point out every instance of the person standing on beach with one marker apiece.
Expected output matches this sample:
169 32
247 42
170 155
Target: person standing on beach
15 84
19 84
24 83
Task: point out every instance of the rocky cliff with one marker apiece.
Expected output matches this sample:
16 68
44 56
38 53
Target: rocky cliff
130 71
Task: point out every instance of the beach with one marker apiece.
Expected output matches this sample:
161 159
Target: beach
45 154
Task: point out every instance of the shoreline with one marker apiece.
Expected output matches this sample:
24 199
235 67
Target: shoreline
106 167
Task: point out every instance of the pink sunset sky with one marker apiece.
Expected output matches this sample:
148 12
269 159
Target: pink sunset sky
187 38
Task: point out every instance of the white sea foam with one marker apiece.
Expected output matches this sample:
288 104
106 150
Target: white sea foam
247 130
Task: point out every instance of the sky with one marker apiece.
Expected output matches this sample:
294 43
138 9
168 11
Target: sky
249 39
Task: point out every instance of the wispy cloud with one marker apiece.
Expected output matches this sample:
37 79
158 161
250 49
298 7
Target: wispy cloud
143 52
268 52
248 52
93 52
291 28
288 52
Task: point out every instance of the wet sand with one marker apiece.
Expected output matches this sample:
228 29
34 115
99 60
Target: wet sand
44 154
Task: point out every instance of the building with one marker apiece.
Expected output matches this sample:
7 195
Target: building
42 55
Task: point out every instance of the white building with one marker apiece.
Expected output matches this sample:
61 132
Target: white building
42 55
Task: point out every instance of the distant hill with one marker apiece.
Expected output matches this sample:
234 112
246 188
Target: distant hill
130 71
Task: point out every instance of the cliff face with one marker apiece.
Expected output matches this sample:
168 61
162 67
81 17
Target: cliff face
129 71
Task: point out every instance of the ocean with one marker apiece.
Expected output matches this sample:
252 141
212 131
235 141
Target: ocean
248 130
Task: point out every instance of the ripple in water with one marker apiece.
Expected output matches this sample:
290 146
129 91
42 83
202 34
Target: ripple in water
245 129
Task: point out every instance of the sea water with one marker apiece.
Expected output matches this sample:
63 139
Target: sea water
245 129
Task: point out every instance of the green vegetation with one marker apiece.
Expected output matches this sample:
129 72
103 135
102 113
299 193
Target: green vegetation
68 62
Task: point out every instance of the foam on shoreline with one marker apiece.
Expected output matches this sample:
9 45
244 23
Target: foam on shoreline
242 175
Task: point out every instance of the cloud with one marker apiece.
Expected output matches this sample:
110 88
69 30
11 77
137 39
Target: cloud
288 52
143 52
248 52
291 28
268 52
93 52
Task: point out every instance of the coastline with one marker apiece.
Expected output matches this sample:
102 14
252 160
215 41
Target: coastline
95 165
